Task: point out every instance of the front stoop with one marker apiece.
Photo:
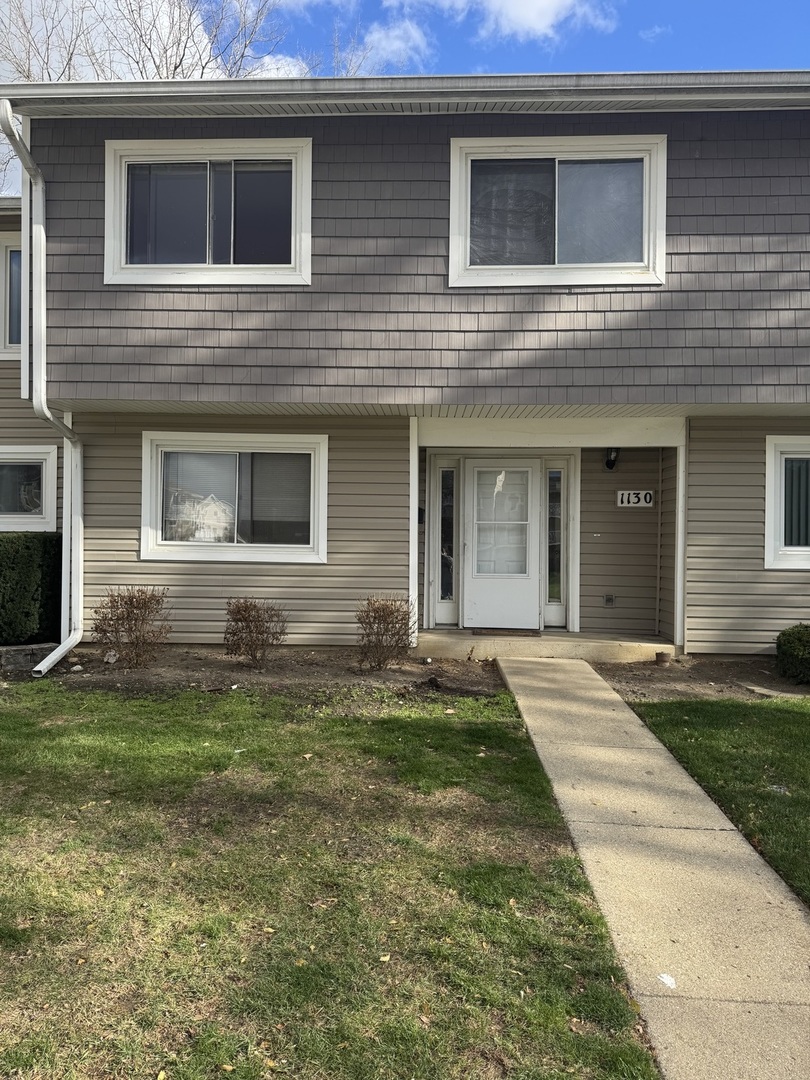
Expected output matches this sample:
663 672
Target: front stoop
23 657
559 645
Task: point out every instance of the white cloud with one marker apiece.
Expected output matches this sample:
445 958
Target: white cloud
400 44
280 66
524 19
653 33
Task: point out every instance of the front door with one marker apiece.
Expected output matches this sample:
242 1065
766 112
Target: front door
502 544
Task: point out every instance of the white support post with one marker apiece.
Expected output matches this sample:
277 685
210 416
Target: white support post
413 526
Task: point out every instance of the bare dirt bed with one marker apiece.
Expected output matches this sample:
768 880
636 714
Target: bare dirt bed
290 669
300 670
699 677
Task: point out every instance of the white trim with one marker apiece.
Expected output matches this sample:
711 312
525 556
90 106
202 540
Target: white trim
153 547
46 456
9 241
448 613
777 555
574 540
568 458
25 228
651 149
68 450
413 525
119 154
556 433
680 547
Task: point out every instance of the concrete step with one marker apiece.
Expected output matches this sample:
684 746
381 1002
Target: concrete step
550 644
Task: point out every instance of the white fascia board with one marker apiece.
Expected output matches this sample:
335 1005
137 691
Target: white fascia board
558 433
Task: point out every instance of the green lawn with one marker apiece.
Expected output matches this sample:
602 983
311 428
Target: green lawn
753 759
357 887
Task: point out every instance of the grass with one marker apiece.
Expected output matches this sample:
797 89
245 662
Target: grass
753 759
357 886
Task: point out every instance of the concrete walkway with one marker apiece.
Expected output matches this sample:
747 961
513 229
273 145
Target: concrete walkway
716 947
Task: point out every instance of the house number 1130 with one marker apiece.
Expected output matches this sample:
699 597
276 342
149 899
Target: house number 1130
634 498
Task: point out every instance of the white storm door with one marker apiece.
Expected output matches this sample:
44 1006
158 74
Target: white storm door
501 563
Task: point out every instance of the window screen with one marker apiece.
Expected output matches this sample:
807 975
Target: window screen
242 498
797 502
14 297
20 487
544 212
210 213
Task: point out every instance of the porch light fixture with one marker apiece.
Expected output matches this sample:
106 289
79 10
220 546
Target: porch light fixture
611 458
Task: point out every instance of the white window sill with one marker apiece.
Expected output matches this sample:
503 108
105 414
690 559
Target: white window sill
506 276
789 559
165 551
206 275
26 523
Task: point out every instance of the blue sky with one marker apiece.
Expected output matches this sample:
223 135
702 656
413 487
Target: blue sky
494 36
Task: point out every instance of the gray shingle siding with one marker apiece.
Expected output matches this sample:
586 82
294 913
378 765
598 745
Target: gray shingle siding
379 323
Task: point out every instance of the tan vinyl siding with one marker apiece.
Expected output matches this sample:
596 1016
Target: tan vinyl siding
669 476
733 603
367 521
619 546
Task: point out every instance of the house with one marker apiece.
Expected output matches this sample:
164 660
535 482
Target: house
531 350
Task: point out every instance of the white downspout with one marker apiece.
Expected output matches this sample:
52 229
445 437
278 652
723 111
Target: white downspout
72 535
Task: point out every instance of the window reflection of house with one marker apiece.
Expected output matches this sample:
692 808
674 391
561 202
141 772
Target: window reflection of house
203 518
20 487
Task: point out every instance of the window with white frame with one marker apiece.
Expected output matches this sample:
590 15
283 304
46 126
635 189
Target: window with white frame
11 285
234 498
27 488
210 211
787 502
587 210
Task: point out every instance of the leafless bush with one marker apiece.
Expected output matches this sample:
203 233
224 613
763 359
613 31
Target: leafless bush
132 621
253 627
385 627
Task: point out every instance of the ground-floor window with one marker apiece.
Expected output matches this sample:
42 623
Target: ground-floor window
787 502
259 498
27 488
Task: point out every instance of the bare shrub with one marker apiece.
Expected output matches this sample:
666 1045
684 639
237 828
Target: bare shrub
385 627
132 621
253 627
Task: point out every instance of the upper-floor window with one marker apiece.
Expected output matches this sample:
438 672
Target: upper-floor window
11 284
585 210
215 211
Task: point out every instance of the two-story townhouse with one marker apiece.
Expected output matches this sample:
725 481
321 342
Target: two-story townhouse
531 350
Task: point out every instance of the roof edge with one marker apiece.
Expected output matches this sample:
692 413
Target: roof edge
720 87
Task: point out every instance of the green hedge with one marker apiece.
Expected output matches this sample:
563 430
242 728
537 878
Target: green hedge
30 587
793 652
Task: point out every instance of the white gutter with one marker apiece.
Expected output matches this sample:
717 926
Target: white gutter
72 535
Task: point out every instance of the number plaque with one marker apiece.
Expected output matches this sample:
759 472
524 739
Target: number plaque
635 498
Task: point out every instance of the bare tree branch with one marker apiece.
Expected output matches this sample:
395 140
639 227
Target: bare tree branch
86 40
